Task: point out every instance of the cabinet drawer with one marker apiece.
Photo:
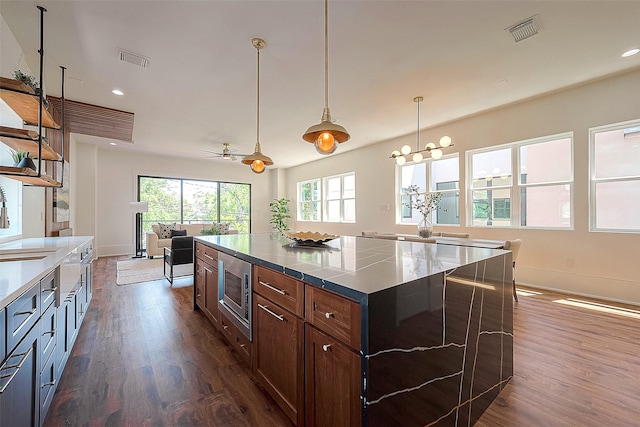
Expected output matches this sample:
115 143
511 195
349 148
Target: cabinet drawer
228 329
48 290
206 253
334 314
285 291
48 333
243 345
47 385
22 314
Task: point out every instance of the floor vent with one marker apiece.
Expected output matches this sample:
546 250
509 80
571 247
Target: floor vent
525 29
133 58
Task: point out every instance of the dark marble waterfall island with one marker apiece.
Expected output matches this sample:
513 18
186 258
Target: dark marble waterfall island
436 321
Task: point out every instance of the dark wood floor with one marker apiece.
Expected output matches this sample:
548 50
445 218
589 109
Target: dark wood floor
144 357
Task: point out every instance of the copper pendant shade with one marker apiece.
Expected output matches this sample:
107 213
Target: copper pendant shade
326 135
257 160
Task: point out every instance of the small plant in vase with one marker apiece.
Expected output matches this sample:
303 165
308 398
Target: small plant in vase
22 159
425 204
279 214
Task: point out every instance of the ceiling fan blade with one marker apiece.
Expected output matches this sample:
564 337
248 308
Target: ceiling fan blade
233 157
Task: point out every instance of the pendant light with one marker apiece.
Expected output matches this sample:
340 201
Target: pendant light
326 135
257 160
417 156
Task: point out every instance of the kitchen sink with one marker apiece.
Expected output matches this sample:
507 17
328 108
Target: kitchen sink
21 257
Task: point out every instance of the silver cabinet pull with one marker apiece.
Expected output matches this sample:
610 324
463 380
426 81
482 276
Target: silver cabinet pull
52 383
18 366
30 312
51 289
328 315
326 347
277 316
53 332
281 292
208 256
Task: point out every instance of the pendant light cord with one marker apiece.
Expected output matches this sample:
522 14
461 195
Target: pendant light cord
326 53
258 103
418 130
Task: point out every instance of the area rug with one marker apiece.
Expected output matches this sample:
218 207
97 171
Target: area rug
147 270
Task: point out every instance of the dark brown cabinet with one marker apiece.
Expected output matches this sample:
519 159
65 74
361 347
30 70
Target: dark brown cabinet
211 293
206 282
279 355
332 382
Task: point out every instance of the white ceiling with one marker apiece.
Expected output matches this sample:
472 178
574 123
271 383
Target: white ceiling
200 88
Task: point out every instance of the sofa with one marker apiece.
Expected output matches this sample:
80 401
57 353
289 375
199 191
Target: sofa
156 243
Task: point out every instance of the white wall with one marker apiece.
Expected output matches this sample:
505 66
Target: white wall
577 261
31 199
109 180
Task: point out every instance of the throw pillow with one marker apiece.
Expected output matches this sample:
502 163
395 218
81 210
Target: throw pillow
223 227
175 233
165 230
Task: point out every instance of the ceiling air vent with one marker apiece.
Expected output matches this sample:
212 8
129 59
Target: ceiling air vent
133 58
525 29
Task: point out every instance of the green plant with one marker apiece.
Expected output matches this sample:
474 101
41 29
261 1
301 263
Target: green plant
214 230
423 203
26 79
279 214
18 155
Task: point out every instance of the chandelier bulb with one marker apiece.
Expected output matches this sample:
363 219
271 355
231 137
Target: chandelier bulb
257 166
405 149
417 157
401 160
395 153
445 141
436 154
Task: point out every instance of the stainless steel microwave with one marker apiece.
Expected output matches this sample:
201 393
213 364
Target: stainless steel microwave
235 291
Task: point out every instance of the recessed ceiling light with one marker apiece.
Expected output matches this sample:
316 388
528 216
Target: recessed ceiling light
112 143
117 92
630 53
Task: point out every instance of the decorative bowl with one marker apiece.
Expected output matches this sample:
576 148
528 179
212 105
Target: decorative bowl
310 236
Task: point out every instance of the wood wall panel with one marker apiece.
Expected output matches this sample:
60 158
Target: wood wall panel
94 120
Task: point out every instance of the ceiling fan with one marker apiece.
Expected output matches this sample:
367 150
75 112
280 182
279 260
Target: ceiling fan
226 153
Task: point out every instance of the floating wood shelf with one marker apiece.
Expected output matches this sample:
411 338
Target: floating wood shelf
28 176
22 99
27 140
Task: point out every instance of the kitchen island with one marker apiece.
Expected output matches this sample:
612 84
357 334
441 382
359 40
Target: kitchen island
430 327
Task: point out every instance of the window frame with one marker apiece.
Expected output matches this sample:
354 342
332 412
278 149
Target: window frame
516 186
341 199
428 186
300 202
593 180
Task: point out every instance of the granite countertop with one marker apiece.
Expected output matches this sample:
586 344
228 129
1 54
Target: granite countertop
46 252
353 266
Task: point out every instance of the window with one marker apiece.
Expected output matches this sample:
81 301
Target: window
337 203
541 194
615 177
436 175
194 201
309 202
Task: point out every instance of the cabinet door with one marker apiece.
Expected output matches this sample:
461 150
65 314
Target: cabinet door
3 335
332 382
198 288
211 293
87 279
48 325
19 384
62 341
279 355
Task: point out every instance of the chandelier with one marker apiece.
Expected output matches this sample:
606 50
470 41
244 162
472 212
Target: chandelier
432 149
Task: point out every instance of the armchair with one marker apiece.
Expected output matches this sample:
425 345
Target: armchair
180 252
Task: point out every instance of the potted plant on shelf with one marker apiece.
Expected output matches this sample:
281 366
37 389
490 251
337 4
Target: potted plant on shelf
26 79
22 159
279 214
425 204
